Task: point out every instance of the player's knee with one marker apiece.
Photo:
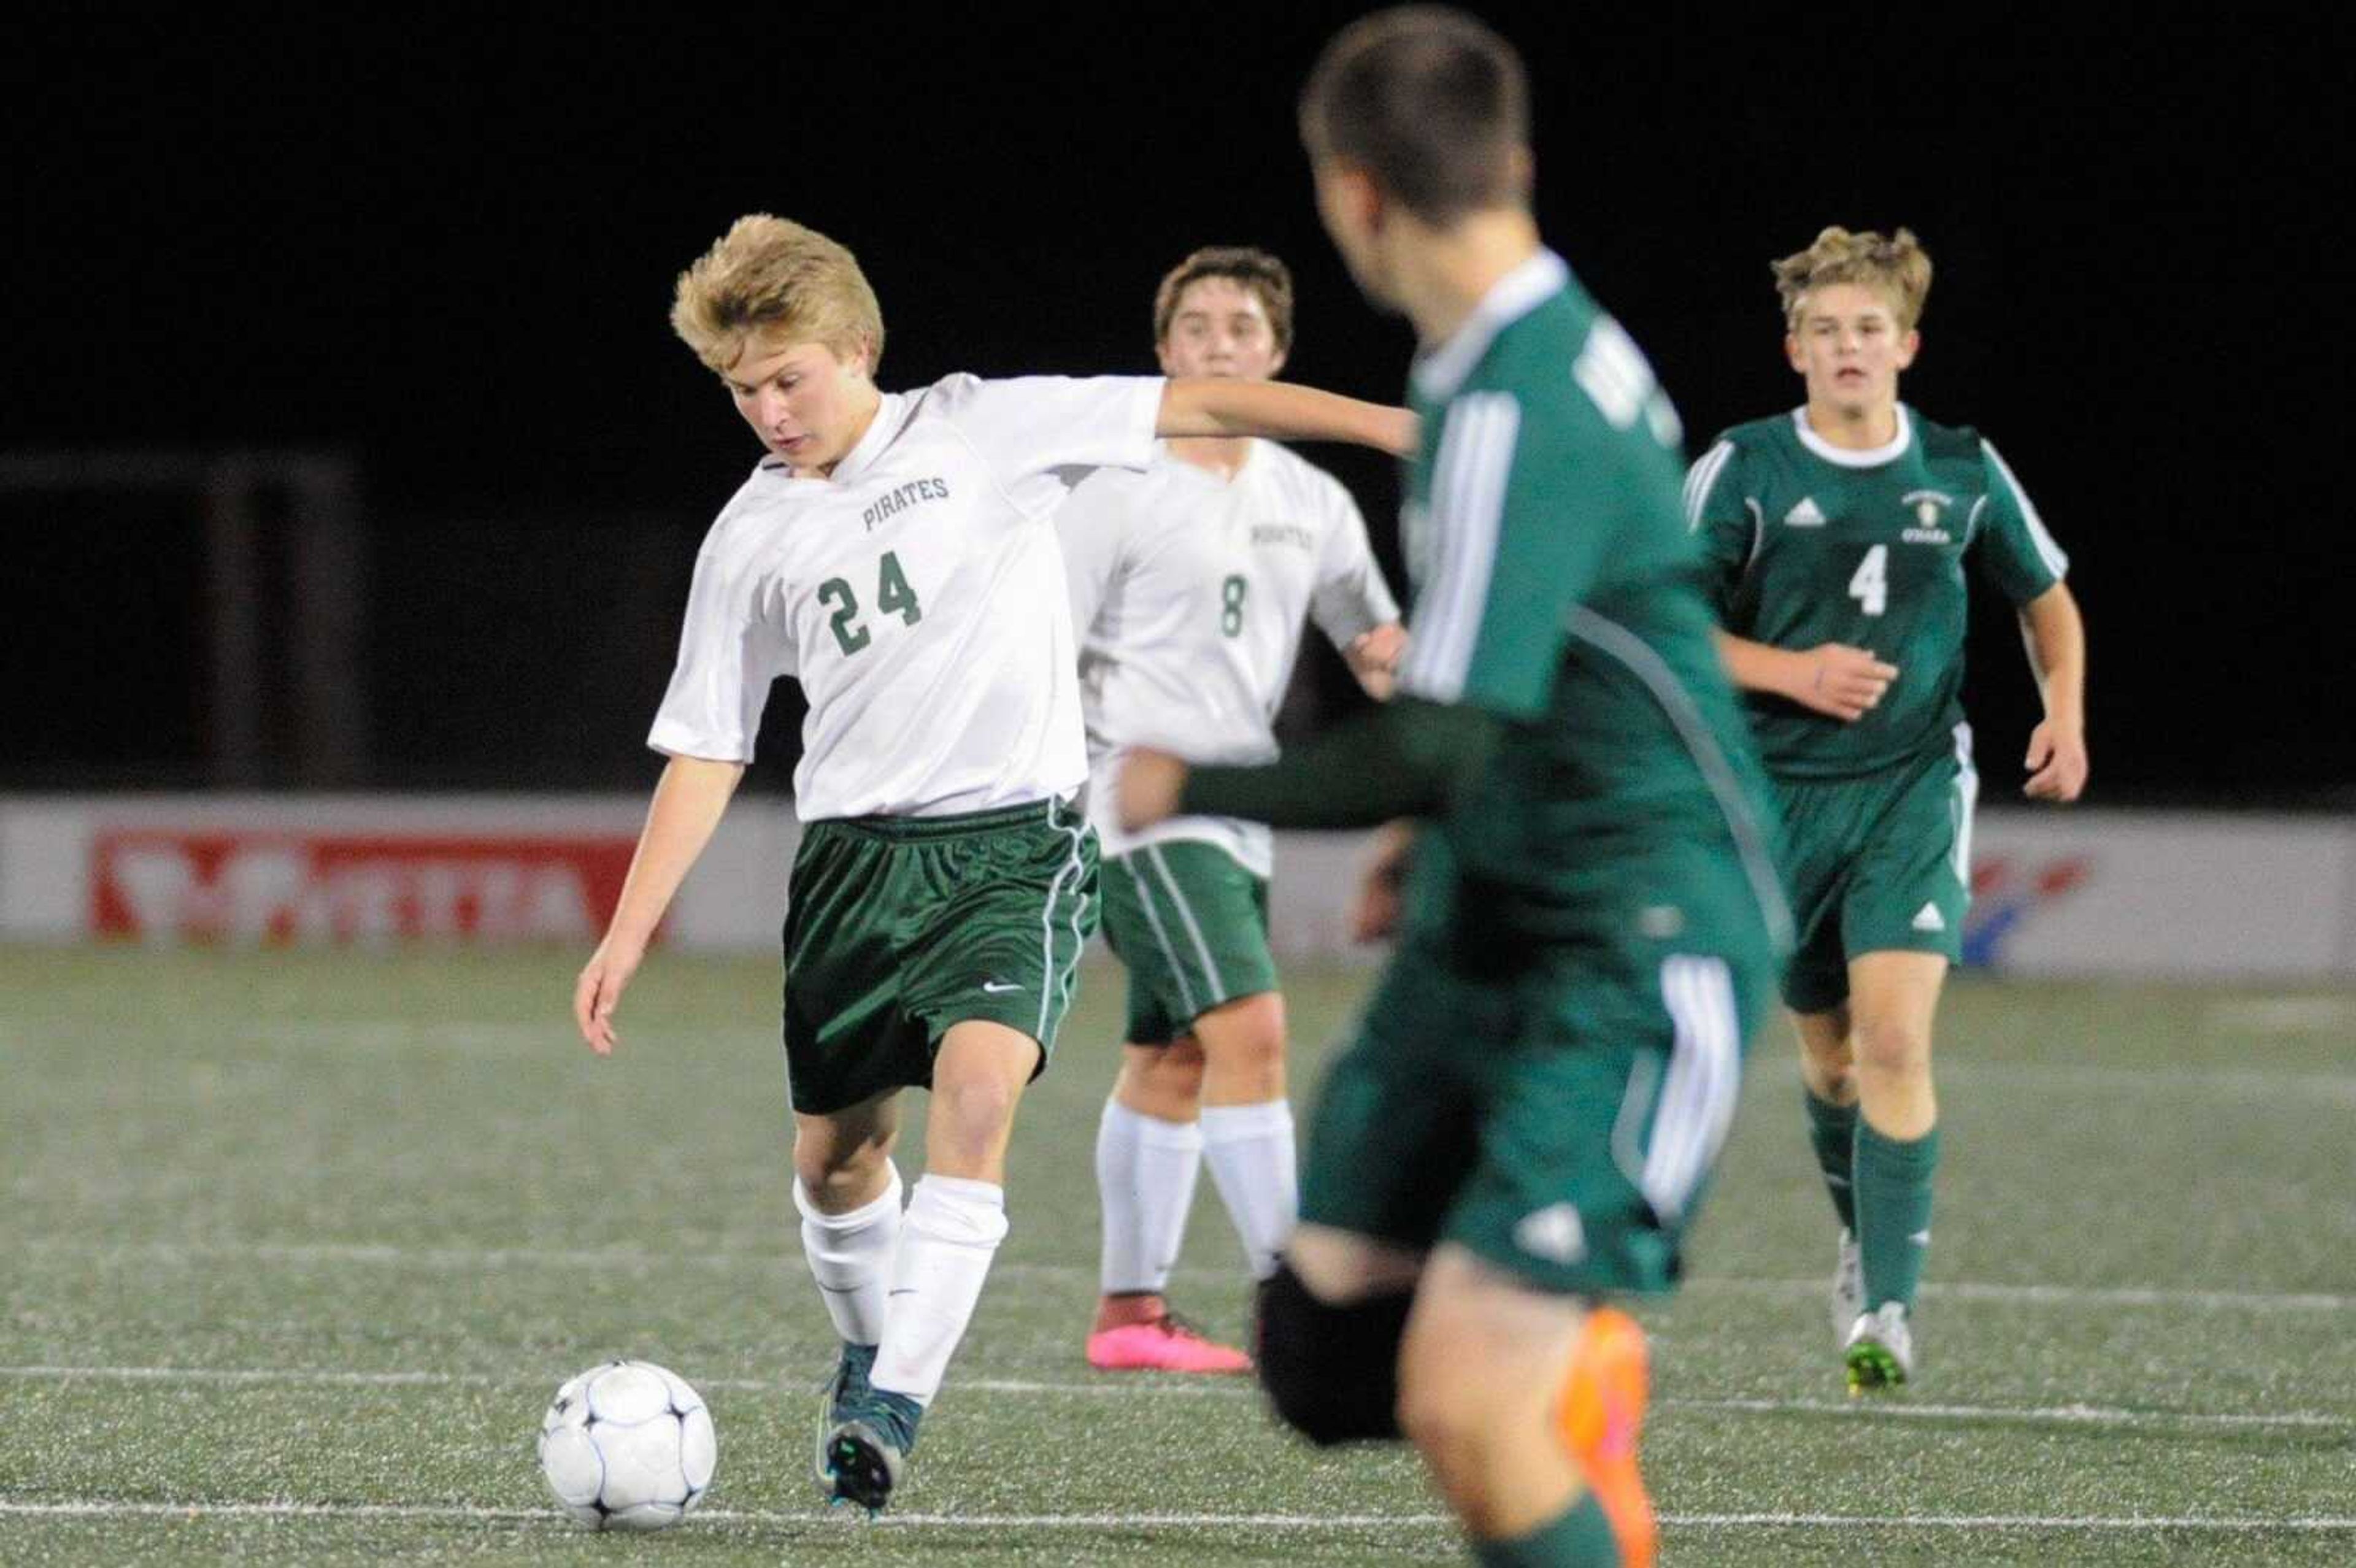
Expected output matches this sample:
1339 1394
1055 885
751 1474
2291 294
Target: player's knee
1332 1371
841 1174
975 1110
1247 1046
1891 1047
1169 1079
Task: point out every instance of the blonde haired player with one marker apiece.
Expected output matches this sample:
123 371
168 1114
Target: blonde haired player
1839 535
1191 581
896 552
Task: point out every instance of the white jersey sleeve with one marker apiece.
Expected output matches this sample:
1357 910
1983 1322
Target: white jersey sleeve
734 643
1351 598
1041 435
1091 529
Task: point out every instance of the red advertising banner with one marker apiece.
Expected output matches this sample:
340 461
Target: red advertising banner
297 887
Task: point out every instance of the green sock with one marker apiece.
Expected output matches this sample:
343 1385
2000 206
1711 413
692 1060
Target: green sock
1894 1207
1579 1537
1832 1133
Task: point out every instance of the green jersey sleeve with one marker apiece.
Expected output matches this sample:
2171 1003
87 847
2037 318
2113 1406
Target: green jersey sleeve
2013 552
1721 521
1519 516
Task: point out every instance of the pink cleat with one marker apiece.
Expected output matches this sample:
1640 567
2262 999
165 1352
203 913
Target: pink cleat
1163 1344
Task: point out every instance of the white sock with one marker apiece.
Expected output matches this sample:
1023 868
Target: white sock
850 1257
1250 1149
1146 1170
952 1227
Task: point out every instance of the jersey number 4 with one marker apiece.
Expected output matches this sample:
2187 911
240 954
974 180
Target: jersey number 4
1871 586
893 596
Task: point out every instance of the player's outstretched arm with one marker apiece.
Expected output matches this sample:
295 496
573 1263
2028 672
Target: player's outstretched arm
2056 636
1832 678
1214 406
1403 759
688 803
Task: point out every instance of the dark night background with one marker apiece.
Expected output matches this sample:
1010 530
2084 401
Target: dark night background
443 247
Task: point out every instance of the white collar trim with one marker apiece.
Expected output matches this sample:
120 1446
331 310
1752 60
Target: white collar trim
1439 373
1846 457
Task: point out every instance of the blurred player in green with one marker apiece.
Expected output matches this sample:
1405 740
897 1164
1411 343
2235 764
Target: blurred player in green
1538 1088
1838 537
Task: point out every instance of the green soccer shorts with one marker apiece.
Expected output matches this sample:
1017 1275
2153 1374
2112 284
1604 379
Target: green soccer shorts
1190 924
899 927
1877 864
1556 1106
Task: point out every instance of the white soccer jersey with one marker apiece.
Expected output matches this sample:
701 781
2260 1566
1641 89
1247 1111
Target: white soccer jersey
1190 593
919 595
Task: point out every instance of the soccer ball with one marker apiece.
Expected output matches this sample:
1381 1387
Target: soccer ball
628 1446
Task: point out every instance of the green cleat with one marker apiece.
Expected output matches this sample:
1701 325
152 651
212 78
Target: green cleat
1880 1350
861 1458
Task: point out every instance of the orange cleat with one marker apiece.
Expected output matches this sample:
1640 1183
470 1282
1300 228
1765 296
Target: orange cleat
1603 1413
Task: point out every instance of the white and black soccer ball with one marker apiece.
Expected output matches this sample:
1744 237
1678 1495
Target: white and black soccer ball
628 1446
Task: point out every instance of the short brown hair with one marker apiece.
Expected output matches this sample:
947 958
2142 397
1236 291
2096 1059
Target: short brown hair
1429 101
768 276
1266 276
1895 264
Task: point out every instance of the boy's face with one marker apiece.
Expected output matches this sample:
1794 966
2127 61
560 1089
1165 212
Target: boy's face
1220 329
808 404
1849 349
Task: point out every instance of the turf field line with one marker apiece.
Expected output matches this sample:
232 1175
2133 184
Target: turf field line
2059 1414
637 1262
94 1507
1235 1387
326 1377
2048 1295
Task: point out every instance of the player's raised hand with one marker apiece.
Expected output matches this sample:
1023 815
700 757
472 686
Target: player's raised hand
599 991
1841 681
2056 763
1147 790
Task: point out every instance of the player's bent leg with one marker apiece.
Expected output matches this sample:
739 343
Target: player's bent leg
1828 1096
955 1220
1894 997
1148 1154
1329 1324
1497 1380
1248 1139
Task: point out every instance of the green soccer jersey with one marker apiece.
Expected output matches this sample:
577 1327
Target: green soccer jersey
1809 543
1559 590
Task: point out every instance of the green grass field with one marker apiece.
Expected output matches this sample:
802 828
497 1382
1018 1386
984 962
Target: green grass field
295 1248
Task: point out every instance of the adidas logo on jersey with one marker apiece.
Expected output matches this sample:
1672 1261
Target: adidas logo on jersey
1805 515
1554 1231
1928 917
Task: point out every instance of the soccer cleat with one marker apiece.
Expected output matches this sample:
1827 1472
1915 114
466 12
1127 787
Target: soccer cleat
1880 1350
1166 1343
1602 1416
1849 1287
860 1458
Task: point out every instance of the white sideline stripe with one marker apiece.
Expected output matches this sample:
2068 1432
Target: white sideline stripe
2065 1416
2059 1415
96 1507
396 1254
